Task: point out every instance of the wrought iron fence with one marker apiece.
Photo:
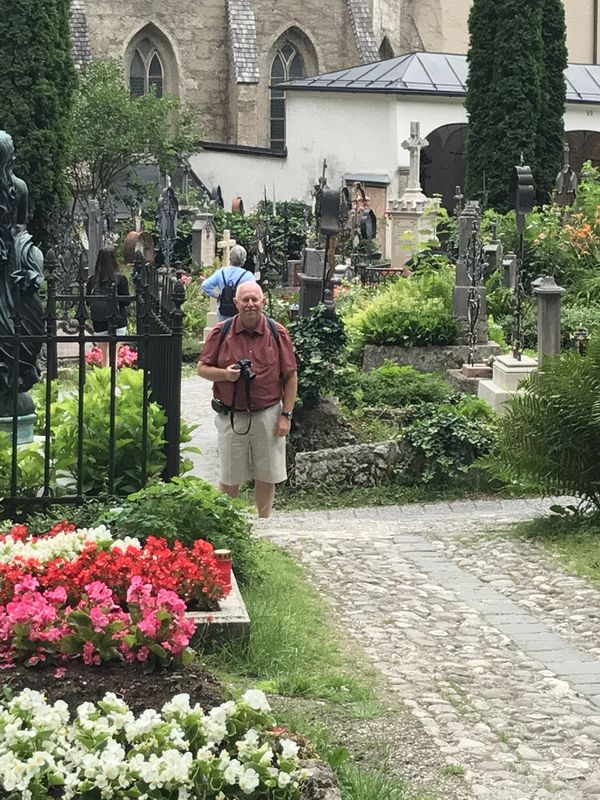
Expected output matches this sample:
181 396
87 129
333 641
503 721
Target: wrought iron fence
158 295
377 275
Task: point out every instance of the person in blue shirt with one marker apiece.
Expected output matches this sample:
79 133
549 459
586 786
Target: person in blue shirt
223 283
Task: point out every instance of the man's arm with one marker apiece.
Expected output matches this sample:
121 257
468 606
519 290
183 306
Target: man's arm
290 389
216 374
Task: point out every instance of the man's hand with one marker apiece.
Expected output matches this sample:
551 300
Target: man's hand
283 426
232 373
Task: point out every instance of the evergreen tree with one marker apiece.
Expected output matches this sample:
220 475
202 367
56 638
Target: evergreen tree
504 94
37 79
550 132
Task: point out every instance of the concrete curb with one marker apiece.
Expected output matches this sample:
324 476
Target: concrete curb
229 623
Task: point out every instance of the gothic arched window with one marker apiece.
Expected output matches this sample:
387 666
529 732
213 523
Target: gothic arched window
287 65
146 70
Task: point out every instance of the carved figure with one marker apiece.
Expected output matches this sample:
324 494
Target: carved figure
21 272
166 221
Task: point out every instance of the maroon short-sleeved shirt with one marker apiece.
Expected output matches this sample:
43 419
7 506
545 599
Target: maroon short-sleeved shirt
271 360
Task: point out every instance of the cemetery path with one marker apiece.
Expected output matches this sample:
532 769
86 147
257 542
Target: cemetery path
196 395
491 647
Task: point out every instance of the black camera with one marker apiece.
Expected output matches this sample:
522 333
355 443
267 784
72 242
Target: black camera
245 367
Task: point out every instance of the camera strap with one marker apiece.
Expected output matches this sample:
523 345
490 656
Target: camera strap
232 409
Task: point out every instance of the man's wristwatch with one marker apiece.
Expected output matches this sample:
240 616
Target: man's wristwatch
287 414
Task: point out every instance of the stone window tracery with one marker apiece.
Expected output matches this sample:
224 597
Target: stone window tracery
287 65
146 71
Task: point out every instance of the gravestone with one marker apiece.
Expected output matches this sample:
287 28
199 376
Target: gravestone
204 240
409 224
509 265
311 279
494 252
548 316
467 222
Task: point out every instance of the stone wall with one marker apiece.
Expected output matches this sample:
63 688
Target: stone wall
354 465
426 359
198 61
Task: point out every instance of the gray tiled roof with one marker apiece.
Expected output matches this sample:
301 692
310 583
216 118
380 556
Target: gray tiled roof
433 74
362 25
242 30
80 39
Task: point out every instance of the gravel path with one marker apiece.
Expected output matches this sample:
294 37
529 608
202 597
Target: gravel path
487 642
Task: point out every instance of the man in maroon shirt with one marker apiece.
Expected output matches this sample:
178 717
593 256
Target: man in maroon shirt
254 446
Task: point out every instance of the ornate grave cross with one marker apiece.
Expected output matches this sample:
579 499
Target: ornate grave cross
225 245
414 144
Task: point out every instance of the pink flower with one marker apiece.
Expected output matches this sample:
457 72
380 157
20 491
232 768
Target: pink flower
149 625
57 595
59 673
89 657
185 279
99 620
99 592
143 654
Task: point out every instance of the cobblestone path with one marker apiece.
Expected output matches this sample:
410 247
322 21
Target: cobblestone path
480 635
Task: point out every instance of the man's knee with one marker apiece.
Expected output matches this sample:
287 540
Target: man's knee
230 489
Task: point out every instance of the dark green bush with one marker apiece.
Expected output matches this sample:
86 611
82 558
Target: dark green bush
446 441
427 323
550 436
318 341
188 509
578 316
396 386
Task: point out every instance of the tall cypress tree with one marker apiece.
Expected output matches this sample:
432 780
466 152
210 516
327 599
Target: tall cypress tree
503 94
37 79
550 131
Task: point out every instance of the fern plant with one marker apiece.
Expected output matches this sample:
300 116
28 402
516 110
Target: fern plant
550 437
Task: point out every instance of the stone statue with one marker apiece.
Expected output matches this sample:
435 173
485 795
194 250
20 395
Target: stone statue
21 272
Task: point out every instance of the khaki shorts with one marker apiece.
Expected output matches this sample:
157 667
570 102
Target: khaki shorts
260 454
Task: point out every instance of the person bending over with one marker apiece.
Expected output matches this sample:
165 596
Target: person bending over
251 361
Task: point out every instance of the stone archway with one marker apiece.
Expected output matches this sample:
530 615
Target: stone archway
585 146
443 162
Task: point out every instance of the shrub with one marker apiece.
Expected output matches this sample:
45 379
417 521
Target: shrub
550 436
318 341
196 309
445 442
578 316
396 386
30 466
96 429
187 509
409 312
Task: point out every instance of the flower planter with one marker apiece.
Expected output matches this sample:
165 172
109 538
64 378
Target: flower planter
230 622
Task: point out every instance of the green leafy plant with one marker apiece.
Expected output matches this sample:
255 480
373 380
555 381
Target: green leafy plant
187 509
445 442
96 429
196 309
318 341
409 312
396 386
30 466
550 436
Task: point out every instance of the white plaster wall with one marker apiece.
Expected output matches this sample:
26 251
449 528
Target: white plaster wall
582 118
355 133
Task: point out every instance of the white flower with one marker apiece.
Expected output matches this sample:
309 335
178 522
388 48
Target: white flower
266 758
256 700
289 749
205 754
249 781
283 780
232 771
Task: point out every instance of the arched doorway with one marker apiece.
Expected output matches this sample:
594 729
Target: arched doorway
443 162
585 146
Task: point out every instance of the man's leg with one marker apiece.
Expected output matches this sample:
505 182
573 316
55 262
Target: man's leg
232 491
264 493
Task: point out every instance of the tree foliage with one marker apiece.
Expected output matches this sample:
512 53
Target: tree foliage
112 131
515 95
37 79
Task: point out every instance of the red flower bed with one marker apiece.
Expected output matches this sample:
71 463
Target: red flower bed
191 572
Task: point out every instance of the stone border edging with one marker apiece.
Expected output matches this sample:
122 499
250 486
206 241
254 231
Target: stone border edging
230 622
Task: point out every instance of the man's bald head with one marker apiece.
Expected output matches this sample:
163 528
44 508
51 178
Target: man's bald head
249 301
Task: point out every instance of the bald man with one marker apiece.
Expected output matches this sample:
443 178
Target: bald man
253 413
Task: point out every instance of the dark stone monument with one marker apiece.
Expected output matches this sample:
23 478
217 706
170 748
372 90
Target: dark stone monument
166 222
21 312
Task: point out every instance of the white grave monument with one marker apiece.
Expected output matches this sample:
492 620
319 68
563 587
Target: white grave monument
409 225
